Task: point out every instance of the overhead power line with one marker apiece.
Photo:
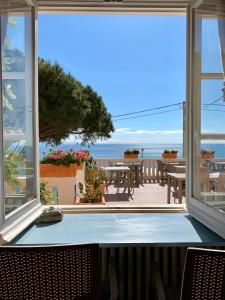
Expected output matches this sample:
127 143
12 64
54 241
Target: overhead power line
156 113
149 109
213 102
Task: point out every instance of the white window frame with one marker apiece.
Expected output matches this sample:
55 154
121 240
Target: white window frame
206 214
16 221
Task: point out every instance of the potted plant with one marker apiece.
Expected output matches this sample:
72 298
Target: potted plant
207 154
94 189
166 154
173 153
131 153
59 163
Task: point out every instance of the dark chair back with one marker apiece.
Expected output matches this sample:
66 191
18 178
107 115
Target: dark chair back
204 275
49 272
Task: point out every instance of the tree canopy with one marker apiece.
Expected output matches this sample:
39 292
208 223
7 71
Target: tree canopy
67 107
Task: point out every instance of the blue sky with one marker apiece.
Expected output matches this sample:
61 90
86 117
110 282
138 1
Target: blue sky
133 62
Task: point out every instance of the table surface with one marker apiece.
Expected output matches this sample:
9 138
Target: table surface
182 176
115 168
123 230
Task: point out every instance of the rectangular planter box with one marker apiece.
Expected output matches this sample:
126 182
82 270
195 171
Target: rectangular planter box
207 155
49 170
169 155
130 155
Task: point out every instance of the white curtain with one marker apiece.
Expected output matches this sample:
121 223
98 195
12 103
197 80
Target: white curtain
221 24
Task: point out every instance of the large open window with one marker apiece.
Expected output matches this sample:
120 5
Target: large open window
19 184
207 115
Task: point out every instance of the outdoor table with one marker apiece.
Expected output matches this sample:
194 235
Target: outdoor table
122 230
137 166
180 169
119 172
180 178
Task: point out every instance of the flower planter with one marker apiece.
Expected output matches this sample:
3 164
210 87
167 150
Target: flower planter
207 155
130 155
49 170
102 187
82 201
172 155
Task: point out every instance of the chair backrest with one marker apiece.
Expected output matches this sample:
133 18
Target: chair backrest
204 182
49 272
160 165
220 186
204 275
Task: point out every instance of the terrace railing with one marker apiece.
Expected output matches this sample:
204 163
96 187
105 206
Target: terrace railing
149 166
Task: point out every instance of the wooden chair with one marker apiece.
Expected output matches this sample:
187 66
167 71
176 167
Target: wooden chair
161 175
203 277
220 184
50 272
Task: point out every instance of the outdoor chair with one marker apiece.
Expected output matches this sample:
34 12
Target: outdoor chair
50 272
220 184
161 175
203 277
141 173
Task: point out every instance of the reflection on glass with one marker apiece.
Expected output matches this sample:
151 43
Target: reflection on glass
211 54
212 106
211 173
209 103
18 140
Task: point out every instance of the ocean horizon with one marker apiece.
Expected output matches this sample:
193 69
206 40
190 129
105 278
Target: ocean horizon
147 150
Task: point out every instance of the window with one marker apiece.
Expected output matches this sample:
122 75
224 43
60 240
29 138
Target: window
207 117
18 139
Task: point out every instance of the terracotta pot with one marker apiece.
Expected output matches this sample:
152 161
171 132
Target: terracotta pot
102 187
166 155
130 155
207 155
49 170
173 155
81 201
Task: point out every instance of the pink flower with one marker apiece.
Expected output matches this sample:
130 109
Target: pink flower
56 157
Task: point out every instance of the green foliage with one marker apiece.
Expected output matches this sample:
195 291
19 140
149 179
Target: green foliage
67 107
13 161
133 151
93 191
45 195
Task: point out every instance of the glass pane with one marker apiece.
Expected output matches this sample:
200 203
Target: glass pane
209 107
211 55
212 107
18 139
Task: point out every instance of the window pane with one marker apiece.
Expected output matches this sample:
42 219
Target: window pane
211 55
18 139
212 107
208 168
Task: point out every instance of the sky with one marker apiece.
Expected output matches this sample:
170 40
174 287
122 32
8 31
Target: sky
135 63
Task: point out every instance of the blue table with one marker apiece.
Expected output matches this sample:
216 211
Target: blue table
123 230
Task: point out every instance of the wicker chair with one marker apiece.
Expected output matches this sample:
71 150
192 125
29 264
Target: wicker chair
203 278
50 272
204 275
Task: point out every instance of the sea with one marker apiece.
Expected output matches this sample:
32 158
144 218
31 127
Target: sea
149 150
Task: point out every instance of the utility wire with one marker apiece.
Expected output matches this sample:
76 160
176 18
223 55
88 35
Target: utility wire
157 113
213 102
145 110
